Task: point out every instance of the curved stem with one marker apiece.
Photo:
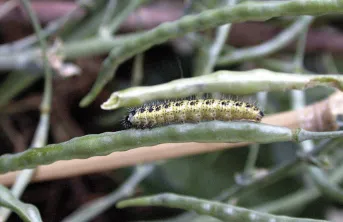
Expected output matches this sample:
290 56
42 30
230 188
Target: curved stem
278 42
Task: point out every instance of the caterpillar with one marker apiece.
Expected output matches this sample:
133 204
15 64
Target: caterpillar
190 111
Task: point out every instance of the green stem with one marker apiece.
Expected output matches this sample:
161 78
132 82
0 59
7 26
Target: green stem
91 209
280 41
222 32
138 70
230 82
109 12
327 188
251 160
132 5
27 212
300 198
204 132
218 210
301 46
329 63
105 143
43 45
95 46
254 148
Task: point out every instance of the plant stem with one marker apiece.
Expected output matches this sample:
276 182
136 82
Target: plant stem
278 42
231 82
205 132
91 209
138 70
222 33
41 134
218 210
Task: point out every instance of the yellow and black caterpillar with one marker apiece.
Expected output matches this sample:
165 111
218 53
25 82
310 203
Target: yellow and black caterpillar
191 111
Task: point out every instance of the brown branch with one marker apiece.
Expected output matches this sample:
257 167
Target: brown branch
320 116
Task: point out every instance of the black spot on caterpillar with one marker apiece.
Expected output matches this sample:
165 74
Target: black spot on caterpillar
191 111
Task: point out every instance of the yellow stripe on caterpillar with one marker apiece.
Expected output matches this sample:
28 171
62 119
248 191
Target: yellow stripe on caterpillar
191 111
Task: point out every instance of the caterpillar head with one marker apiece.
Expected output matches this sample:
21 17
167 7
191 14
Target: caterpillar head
127 122
260 115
